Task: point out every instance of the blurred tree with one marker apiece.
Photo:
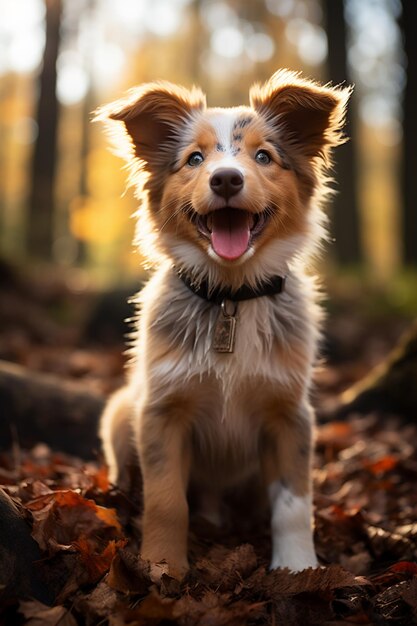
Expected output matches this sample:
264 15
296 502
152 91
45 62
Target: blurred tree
409 165
88 106
41 196
198 37
345 217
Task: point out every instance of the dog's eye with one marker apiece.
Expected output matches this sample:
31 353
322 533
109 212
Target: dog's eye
196 158
262 157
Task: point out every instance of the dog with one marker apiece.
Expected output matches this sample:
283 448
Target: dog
231 212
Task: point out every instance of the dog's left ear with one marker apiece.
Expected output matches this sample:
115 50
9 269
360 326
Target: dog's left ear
153 115
310 116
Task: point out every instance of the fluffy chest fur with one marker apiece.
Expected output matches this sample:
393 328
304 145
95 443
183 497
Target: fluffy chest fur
274 351
275 335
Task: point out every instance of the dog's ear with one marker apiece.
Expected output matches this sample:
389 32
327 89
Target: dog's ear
154 115
310 116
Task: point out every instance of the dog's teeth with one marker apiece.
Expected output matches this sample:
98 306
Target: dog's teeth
252 221
210 222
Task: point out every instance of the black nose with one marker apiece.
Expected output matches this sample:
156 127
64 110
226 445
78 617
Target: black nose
226 182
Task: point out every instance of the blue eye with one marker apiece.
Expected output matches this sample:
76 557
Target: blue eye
196 158
262 157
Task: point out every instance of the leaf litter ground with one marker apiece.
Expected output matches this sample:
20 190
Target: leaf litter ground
89 532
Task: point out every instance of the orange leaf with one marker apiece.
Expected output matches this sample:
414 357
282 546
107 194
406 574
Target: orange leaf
404 567
382 465
97 563
63 517
334 432
100 479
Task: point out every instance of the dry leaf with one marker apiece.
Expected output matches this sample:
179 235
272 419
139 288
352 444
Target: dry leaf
129 573
409 595
61 518
96 563
38 614
317 580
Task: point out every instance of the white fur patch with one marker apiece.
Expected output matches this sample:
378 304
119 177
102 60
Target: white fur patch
292 534
222 121
225 160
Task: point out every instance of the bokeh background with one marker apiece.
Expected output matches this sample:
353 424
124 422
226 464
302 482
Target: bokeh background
62 206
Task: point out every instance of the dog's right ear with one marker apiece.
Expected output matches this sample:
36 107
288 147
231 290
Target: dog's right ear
309 115
154 116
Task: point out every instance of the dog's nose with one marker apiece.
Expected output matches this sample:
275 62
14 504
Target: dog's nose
226 182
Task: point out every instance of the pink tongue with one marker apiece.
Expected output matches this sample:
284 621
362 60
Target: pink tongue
230 233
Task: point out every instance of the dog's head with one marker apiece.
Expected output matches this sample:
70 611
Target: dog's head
225 187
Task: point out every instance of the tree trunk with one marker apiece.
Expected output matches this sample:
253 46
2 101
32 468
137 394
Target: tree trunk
409 165
41 200
345 214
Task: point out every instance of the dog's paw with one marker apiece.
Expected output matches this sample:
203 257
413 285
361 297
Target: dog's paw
296 562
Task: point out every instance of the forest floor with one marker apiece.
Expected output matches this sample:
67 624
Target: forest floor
365 475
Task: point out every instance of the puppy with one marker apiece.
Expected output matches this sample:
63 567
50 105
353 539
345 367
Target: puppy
218 387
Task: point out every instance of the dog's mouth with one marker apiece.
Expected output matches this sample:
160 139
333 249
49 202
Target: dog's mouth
231 231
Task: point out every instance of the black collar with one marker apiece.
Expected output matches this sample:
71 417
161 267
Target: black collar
275 285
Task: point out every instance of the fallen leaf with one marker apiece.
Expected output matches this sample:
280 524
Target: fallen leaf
100 478
226 568
311 580
129 573
383 541
96 563
409 595
404 567
38 614
217 609
390 606
382 465
338 434
98 603
61 518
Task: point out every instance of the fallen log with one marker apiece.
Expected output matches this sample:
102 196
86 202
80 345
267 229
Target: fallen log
391 387
37 407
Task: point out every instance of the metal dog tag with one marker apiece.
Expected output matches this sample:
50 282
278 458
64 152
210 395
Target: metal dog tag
225 330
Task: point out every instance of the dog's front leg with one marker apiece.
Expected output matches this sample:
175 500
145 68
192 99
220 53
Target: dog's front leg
286 462
164 453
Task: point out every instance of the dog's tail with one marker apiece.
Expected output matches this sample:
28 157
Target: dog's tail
116 434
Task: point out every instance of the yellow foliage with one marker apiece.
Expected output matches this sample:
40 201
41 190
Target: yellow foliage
105 172
96 221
